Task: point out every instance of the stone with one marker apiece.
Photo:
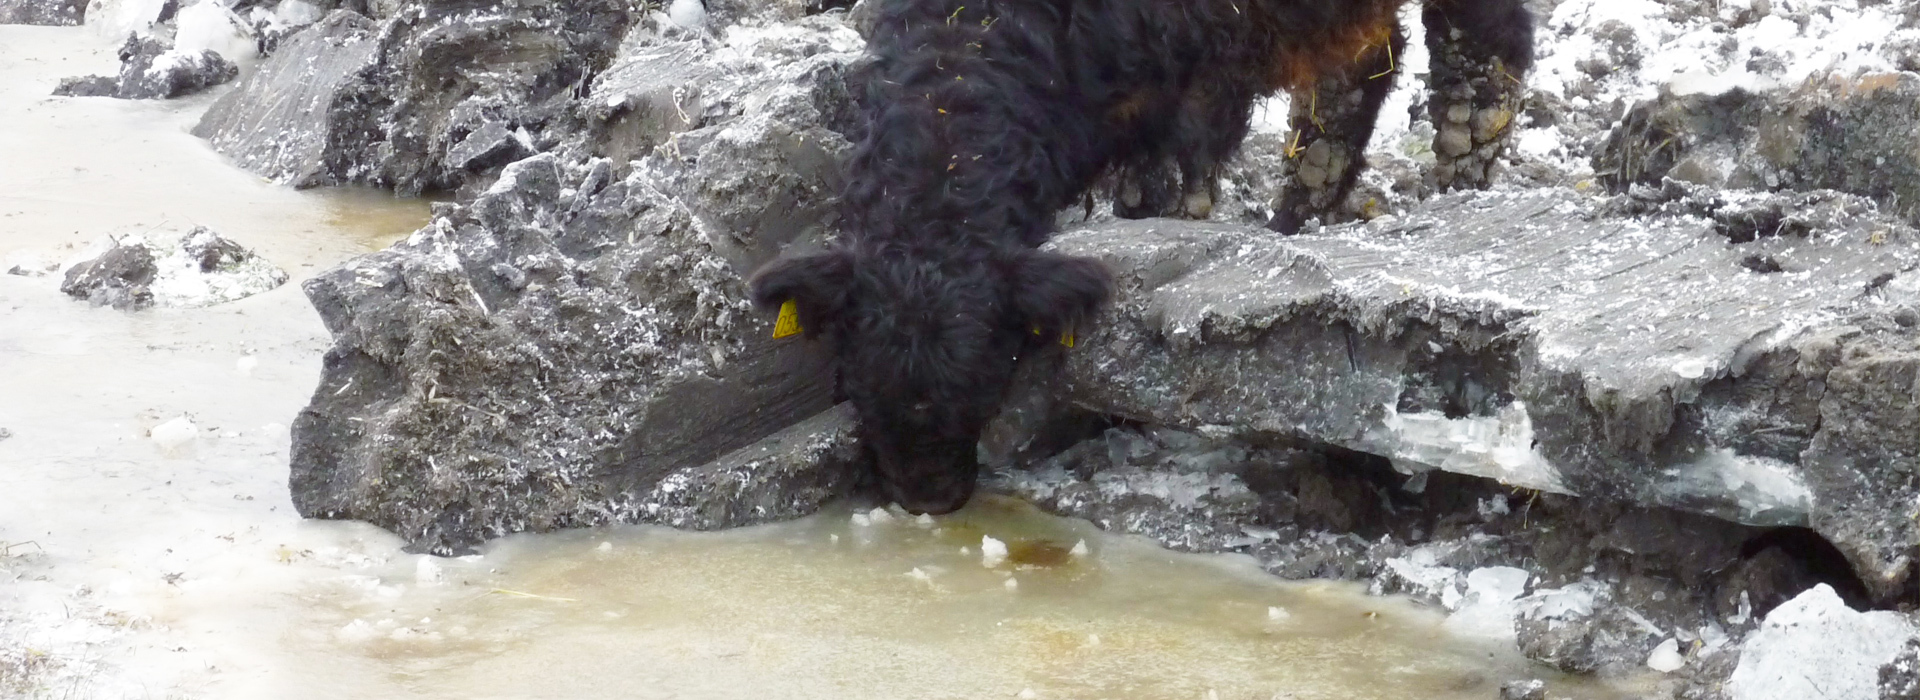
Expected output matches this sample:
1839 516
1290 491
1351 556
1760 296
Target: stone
493 144
151 69
786 475
280 122
459 404
199 268
1493 336
1900 678
121 277
395 103
574 346
59 13
1534 689
1859 135
1816 648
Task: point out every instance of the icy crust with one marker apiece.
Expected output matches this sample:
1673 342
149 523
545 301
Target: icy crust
1546 340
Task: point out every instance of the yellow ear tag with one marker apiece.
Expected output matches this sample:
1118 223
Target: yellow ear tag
1066 337
789 322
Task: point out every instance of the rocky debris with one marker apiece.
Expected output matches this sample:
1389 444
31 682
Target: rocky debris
1858 135
272 22
1532 689
1515 337
277 122
1598 59
437 97
1816 648
121 277
200 268
1900 678
574 346
59 13
151 69
533 362
1584 585
747 131
28 264
785 475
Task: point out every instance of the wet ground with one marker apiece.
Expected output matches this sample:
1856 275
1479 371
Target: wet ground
128 569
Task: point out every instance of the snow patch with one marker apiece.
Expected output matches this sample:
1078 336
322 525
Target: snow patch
297 13
689 14
1666 657
210 26
1487 609
175 435
1816 648
1569 602
115 19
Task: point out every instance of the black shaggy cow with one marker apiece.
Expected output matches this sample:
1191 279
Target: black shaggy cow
983 119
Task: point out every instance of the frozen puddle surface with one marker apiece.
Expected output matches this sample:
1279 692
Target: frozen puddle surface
148 548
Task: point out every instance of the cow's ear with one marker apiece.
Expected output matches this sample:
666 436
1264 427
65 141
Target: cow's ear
817 284
1056 293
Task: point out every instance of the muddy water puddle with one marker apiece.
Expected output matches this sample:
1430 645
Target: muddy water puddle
859 606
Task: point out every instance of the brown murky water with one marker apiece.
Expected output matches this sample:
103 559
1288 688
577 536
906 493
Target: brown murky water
127 570
828 607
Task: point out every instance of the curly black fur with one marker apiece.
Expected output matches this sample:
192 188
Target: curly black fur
982 119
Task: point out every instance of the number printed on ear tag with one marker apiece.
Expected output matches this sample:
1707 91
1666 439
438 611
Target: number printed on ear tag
789 322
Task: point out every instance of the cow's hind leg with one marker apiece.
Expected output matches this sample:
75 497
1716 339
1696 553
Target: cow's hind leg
1331 124
1480 51
1145 186
1178 175
1213 121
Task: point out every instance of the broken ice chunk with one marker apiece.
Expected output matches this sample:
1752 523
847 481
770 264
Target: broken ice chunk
1666 658
175 434
992 552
